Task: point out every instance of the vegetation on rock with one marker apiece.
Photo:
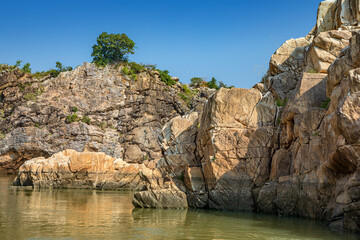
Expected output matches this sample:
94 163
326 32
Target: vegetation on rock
112 48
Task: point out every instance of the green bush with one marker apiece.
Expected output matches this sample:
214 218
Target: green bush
72 118
112 48
212 84
136 68
125 70
280 102
197 82
132 69
182 176
53 72
325 104
75 118
133 76
26 68
85 119
186 94
30 96
166 78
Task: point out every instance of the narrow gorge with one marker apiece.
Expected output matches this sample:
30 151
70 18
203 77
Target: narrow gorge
289 146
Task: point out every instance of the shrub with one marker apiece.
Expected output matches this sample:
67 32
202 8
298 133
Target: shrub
85 119
26 68
75 109
133 76
112 48
212 84
197 82
53 72
136 68
166 78
30 96
325 104
125 70
280 102
182 176
186 94
72 118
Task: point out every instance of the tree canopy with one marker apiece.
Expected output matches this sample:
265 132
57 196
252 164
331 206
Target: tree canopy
112 48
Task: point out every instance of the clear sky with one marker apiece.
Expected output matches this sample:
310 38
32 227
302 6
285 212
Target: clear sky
231 40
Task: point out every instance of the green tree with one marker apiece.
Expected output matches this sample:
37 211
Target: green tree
18 63
59 68
112 48
212 84
26 68
197 82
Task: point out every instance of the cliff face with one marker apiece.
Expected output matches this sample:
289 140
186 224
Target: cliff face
288 146
88 109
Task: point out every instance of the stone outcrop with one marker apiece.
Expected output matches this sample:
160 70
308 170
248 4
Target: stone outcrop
93 170
335 14
235 144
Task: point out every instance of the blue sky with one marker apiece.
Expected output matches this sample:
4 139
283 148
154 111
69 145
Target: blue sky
226 39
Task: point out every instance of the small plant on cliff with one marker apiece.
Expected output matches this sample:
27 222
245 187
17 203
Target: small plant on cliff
197 82
313 71
132 69
325 104
26 68
182 176
213 84
280 102
72 118
2 135
112 48
186 94
166 78
85 119
53 72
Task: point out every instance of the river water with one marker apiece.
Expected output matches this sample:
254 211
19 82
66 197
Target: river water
85 214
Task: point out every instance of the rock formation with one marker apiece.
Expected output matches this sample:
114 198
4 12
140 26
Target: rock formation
288 146
87 109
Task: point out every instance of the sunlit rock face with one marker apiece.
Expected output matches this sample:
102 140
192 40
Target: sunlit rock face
235 144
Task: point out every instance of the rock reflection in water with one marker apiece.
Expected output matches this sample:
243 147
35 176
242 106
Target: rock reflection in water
85 214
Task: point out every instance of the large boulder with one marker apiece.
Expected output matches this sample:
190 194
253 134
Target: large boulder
235 144
71 169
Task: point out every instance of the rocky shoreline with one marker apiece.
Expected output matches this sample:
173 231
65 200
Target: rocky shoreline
288 146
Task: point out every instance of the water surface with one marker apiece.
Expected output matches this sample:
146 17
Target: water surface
85 214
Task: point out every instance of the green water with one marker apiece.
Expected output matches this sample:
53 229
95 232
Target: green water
84 214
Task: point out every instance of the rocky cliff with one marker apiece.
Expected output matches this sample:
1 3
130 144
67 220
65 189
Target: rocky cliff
288 146
88 109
